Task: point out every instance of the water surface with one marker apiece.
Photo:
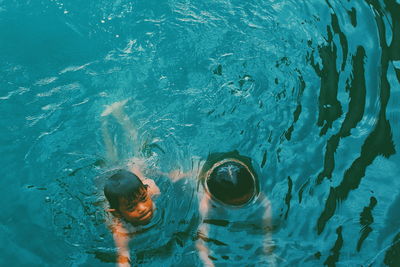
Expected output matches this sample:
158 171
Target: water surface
308 89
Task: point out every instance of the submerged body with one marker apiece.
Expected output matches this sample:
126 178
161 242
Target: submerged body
228 192
232 206
130 193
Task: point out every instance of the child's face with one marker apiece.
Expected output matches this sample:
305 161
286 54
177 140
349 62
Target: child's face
138 211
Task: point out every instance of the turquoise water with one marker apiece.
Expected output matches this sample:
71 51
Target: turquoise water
308 89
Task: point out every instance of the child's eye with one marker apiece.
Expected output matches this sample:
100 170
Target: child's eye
130 207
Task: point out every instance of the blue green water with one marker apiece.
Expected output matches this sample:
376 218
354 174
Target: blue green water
308 89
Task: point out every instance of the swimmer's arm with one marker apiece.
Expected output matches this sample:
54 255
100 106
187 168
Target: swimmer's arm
201 245
111 152
268 242
177 175
116 110
152 187
121 239
136 166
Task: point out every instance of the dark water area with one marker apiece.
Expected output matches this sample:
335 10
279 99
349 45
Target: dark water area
309 90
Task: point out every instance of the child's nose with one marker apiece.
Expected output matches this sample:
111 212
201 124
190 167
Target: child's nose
141 208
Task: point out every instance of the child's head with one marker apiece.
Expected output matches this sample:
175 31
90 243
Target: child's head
231 182
128 197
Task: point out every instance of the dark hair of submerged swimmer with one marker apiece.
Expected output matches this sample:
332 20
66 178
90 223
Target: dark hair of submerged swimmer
122 185
231 181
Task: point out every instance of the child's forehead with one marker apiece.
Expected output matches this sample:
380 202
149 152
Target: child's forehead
133 198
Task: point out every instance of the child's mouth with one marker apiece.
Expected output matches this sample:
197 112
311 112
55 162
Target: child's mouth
146 216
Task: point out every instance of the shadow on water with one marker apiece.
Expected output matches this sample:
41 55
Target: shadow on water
379 141
308 89
340 72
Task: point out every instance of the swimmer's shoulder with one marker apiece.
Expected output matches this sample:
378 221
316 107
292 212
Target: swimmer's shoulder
152 186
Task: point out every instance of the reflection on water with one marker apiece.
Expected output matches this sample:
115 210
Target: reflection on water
308 89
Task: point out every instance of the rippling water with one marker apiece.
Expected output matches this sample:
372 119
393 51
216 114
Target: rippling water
308 89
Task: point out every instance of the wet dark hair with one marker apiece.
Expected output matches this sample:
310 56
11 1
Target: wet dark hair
122 184
231 183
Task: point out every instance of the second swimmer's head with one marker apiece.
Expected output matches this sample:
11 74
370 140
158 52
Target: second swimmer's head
231 182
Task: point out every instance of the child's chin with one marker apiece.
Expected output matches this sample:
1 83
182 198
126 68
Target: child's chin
146 220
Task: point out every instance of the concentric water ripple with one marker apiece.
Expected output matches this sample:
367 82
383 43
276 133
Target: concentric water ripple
308 89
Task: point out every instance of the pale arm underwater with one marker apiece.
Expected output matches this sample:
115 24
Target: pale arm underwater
120 236
116 110
121 239
268 243
204 207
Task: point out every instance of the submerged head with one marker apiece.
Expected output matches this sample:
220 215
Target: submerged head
231 182
129 198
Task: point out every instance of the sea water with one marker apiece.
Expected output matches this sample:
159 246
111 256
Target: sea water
308 89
